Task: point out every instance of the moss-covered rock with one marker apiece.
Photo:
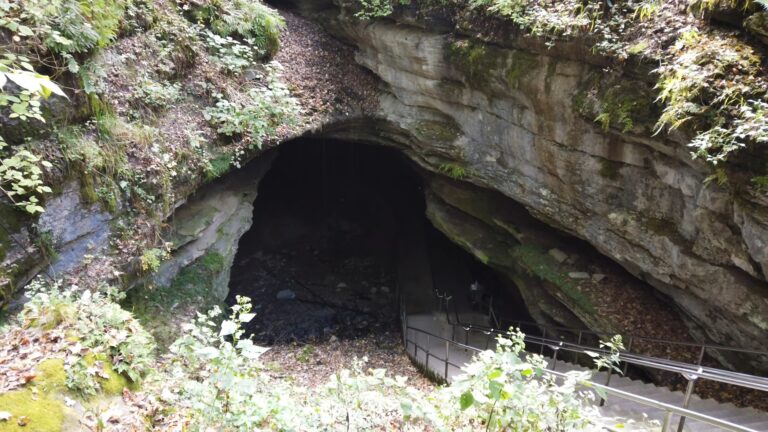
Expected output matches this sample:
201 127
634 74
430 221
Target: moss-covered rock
479 63
538 262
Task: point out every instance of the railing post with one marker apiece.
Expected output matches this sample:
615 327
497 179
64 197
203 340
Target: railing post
447 351
578 342
543 336
629 348
554 357
701 355
667 421
688 392
427 351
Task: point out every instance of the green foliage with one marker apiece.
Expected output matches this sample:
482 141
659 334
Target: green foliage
710 5
378 8
612 359
151 258
647 9
228 53
24 103
253 22
156 95
562 18
713 85
258 118
64 28
218 166
215 381
100 325
21 175
21 179
193 286
622 106
454 171
509 393
306 354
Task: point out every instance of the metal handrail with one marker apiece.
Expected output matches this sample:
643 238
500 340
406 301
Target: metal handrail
667 408
686 369
518 323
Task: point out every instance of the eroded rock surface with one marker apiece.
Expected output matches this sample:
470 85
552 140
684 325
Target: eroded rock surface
521 123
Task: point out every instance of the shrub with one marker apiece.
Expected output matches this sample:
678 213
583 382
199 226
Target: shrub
156 95
257 118
232 55
252 21
216 382
97 323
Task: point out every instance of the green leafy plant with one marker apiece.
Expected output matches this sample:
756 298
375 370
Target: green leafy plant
21 175
457 172
255 23
647 9
256 120
510 393
713 86
99 324
21 179
227 52
151 259
156 95
377 8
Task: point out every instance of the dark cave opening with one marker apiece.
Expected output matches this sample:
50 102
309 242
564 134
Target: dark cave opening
335 225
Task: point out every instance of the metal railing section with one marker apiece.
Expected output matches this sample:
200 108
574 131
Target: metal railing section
691 372
670 410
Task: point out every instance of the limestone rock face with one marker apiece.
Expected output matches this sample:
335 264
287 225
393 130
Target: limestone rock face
522 123
75 227
213 220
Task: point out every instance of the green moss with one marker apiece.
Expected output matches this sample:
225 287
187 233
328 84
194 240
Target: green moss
540 263
51 376
478 62
44 414
624 105
522 64
610 169
116 382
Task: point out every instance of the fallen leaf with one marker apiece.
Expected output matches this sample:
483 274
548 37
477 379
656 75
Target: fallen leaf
23 421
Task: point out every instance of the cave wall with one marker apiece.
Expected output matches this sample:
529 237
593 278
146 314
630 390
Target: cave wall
522 122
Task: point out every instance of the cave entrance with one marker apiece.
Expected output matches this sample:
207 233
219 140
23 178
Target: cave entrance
339 238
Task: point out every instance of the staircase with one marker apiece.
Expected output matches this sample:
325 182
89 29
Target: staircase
442 347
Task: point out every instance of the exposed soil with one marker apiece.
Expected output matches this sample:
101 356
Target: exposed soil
312 364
